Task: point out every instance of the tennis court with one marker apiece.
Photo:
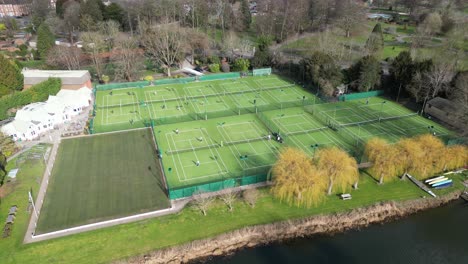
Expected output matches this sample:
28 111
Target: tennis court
128 108
160 94
217 149
246 100
209 104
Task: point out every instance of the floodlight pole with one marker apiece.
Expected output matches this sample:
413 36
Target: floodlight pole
314 147
381 109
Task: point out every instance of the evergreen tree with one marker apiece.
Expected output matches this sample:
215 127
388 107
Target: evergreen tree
113 12
91 9
365 73
10 76
375 42
45 40
60 7
246 16
402 71
321 70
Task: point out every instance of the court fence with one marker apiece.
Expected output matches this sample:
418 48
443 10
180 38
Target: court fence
214 186
220 76
111 86
356 96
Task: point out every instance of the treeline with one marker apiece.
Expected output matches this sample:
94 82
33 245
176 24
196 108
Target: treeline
422 156
37 93
301 180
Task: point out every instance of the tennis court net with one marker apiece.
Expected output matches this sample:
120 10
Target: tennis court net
247 140
178 151
276 87
305 131
109 106
375 120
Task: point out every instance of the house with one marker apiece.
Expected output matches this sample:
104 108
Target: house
446 111
18 8
15 8
71 80
37 118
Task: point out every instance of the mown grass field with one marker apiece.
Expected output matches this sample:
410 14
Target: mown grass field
114 243
102 177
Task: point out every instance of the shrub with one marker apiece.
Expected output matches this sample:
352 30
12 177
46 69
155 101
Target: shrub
214 67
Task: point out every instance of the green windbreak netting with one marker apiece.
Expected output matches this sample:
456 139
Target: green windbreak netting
355 96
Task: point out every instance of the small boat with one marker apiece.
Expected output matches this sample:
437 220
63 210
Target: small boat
439 180
442 183
434 179
450 184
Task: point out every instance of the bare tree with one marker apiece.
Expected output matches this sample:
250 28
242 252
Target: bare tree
202 201
250 196
351 14
69 58
71 18
438 78
229 197
93 45
110 29
164 43
128 59
427 85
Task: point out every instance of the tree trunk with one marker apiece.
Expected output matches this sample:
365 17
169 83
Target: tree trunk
347 33
381 178
330 187
355 185
169 71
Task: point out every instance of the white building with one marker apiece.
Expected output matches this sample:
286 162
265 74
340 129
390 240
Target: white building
37 118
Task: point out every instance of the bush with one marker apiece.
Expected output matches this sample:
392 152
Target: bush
214 59
37 93
214 67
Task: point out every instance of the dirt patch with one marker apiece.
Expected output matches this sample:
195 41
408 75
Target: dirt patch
263 234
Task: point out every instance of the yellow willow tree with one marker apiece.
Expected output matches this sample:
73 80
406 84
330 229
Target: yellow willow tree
410 157
338 168
455 157
296 180
384 159
433 150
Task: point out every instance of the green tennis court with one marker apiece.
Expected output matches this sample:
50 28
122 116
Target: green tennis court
216 149
130 108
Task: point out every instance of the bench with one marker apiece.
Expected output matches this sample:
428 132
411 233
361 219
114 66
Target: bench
346 196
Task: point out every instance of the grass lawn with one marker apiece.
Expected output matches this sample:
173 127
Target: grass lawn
102 177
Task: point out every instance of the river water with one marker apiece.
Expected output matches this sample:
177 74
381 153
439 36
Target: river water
438 236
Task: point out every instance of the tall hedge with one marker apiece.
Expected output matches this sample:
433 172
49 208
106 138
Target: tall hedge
37 93
10 76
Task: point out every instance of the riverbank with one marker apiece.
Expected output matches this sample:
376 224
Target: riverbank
263 234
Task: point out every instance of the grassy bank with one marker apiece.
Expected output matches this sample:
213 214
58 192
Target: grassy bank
127 240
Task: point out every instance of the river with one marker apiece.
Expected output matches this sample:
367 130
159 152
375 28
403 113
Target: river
438 236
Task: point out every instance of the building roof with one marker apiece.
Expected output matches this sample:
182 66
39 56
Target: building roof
444 105
12 173
32 77
44 112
